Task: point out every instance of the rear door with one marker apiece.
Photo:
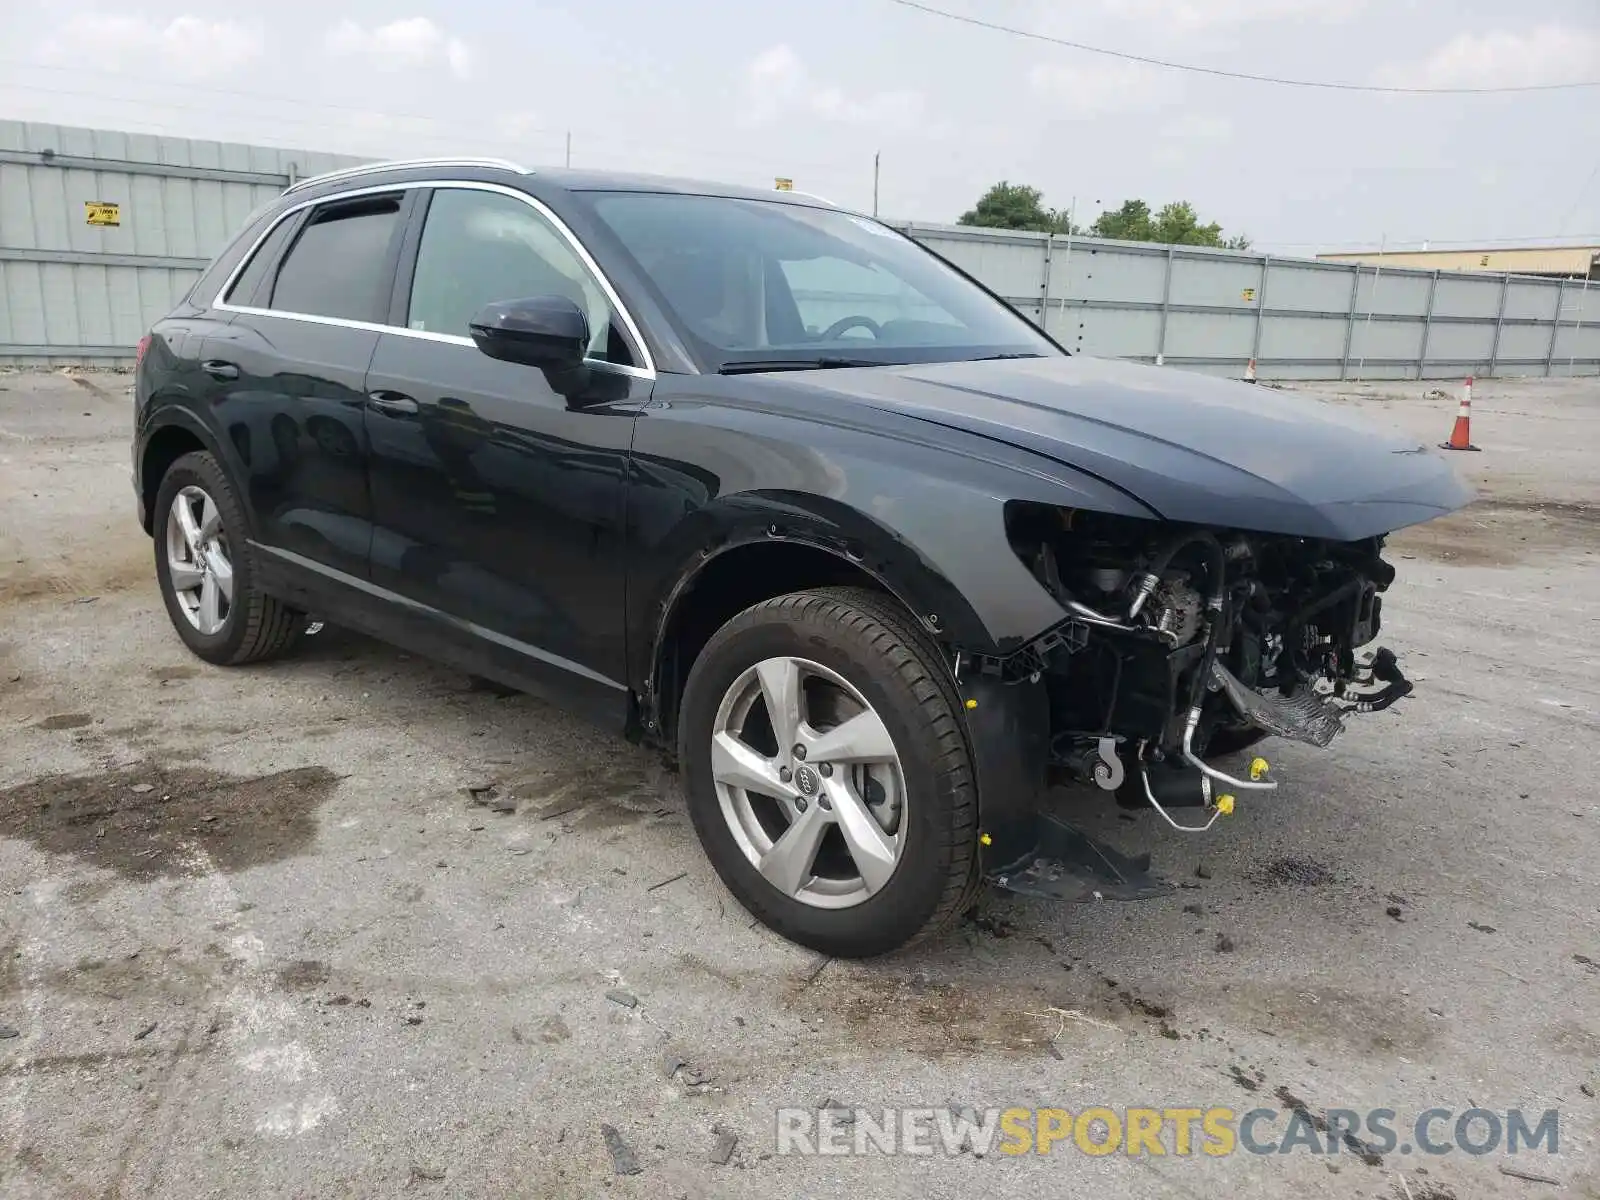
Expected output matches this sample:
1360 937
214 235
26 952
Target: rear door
288 376
498 505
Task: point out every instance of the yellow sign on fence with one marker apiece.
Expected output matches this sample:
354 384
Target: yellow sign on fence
784 185
102 212
1249 294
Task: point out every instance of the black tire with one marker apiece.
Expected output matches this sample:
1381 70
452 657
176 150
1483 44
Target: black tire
257 626
1231 739
867 640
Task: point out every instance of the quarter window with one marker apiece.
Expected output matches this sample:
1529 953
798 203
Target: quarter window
481 247
339 266
246 290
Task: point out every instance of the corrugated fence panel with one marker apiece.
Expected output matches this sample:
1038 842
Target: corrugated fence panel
1214 310
1308 287
1522 346
1469 296
1462 348
1114 332
1105 272
74 290
1532 299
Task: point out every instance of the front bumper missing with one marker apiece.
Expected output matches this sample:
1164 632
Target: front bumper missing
1067 864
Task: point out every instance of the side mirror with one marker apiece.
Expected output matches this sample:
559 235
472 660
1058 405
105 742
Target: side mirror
544 331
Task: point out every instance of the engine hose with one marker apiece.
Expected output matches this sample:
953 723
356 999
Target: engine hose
1163 559
1214 607
1386 669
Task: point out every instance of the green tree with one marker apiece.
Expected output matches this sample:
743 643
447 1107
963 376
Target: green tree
1130 223
1016 206
1176 224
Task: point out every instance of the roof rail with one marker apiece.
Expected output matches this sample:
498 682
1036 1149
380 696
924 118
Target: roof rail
401 164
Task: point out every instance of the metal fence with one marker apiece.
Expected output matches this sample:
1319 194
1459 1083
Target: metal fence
101 233
1214 310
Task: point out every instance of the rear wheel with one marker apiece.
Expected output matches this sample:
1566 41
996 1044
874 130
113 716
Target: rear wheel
827 774
207 569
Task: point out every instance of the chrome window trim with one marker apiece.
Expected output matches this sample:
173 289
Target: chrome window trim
635 337
401 164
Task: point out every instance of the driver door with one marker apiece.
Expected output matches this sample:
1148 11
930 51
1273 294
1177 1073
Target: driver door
498 505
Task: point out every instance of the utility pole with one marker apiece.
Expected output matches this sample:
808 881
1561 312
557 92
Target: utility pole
569 147
875 157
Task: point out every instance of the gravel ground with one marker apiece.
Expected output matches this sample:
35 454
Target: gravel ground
257 940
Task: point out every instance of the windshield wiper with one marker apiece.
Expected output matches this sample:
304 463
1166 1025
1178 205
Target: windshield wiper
754 365
994 357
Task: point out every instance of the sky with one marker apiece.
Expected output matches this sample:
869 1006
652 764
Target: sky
814 89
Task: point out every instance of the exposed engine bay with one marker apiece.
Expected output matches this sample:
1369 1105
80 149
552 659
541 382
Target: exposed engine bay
1185 643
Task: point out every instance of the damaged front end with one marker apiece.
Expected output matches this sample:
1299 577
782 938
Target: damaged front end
1182 644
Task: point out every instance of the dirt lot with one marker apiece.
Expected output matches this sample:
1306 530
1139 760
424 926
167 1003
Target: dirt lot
256 940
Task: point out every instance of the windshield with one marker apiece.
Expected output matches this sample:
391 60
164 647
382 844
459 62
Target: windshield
756 282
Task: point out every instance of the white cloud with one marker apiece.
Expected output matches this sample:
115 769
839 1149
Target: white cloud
1096 88
408 42
186 47
1548 54
777 81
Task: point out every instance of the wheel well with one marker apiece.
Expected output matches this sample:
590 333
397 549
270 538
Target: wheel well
727 585
166 446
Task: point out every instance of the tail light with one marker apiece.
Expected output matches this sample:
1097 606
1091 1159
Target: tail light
144 344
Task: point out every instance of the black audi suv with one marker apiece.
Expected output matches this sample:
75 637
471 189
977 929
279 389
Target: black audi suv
767 483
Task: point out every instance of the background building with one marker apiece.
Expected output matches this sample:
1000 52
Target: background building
1553 262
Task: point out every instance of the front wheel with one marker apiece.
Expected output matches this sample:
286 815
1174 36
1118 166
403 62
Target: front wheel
827 774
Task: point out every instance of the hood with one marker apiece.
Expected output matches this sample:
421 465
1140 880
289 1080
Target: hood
1192 447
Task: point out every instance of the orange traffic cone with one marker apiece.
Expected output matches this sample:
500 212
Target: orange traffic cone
1250 371
1461 435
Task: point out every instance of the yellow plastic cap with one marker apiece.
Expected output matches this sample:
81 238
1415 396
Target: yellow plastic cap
1258 768
972 704
1225 804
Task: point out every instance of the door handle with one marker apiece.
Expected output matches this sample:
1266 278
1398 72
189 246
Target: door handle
218 369
392 402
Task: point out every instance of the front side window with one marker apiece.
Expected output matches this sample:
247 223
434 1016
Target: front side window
754 281
481 247
339 265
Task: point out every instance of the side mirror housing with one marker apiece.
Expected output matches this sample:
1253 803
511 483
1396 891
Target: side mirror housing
542 331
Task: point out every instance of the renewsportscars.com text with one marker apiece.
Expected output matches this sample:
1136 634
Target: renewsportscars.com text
1172 1131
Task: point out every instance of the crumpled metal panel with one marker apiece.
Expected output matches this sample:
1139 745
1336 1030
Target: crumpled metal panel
1302 715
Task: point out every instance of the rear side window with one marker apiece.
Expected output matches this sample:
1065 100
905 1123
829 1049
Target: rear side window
340 264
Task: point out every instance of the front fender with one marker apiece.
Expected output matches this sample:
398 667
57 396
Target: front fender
918 507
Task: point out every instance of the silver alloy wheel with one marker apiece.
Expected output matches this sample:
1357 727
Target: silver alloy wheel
198 561
822 813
